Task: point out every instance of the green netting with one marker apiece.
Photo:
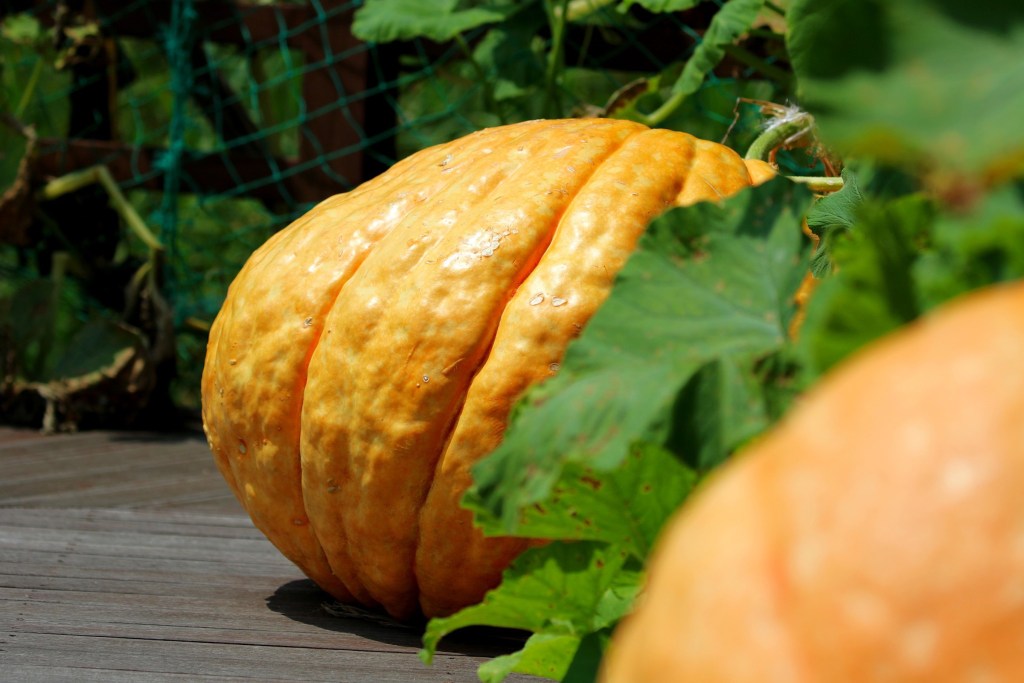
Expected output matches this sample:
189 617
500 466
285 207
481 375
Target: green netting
222 122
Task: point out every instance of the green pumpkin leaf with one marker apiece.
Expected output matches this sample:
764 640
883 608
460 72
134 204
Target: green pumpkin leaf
831 216
932 82
625 507
562 591
384 21
730 22
706 282
723 405
98 346
659 5
873 291
544 654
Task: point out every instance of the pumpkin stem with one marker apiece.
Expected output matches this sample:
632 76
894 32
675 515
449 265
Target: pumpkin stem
780 131
789 125
819 184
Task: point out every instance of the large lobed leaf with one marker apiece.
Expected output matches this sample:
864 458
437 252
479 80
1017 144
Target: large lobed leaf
707 282
733 20
384 21
562 592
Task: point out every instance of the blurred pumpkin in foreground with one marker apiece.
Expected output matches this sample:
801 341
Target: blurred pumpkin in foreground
367 355
876 535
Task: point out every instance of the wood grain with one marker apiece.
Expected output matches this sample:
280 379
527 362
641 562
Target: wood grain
124 557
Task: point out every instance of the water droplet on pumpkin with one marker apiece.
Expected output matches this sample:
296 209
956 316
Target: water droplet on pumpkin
536 300
558 301
426 379
554 367
299 521
232 361
308 322
241 446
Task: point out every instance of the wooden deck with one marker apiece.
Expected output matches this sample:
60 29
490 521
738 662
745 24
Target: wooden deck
124 557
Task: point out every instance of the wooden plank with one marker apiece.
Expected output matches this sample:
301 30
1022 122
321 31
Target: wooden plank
54 674
163 521
111 469
162 595
145 656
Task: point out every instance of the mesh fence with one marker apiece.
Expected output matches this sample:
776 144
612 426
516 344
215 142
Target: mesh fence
220 122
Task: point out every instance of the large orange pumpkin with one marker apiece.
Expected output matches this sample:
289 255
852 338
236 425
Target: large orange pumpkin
876 536
367 355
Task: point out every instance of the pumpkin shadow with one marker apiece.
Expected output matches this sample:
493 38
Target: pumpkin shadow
303 601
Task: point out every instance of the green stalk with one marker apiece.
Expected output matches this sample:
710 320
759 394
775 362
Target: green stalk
486 83
556 57
776 136
30 89
656 117
819 184
71 182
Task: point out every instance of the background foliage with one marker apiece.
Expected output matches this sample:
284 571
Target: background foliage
434 70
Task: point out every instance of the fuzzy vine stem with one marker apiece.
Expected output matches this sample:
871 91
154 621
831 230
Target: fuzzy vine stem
777 135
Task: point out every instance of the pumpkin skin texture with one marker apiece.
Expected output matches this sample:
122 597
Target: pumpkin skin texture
875 536
368 354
